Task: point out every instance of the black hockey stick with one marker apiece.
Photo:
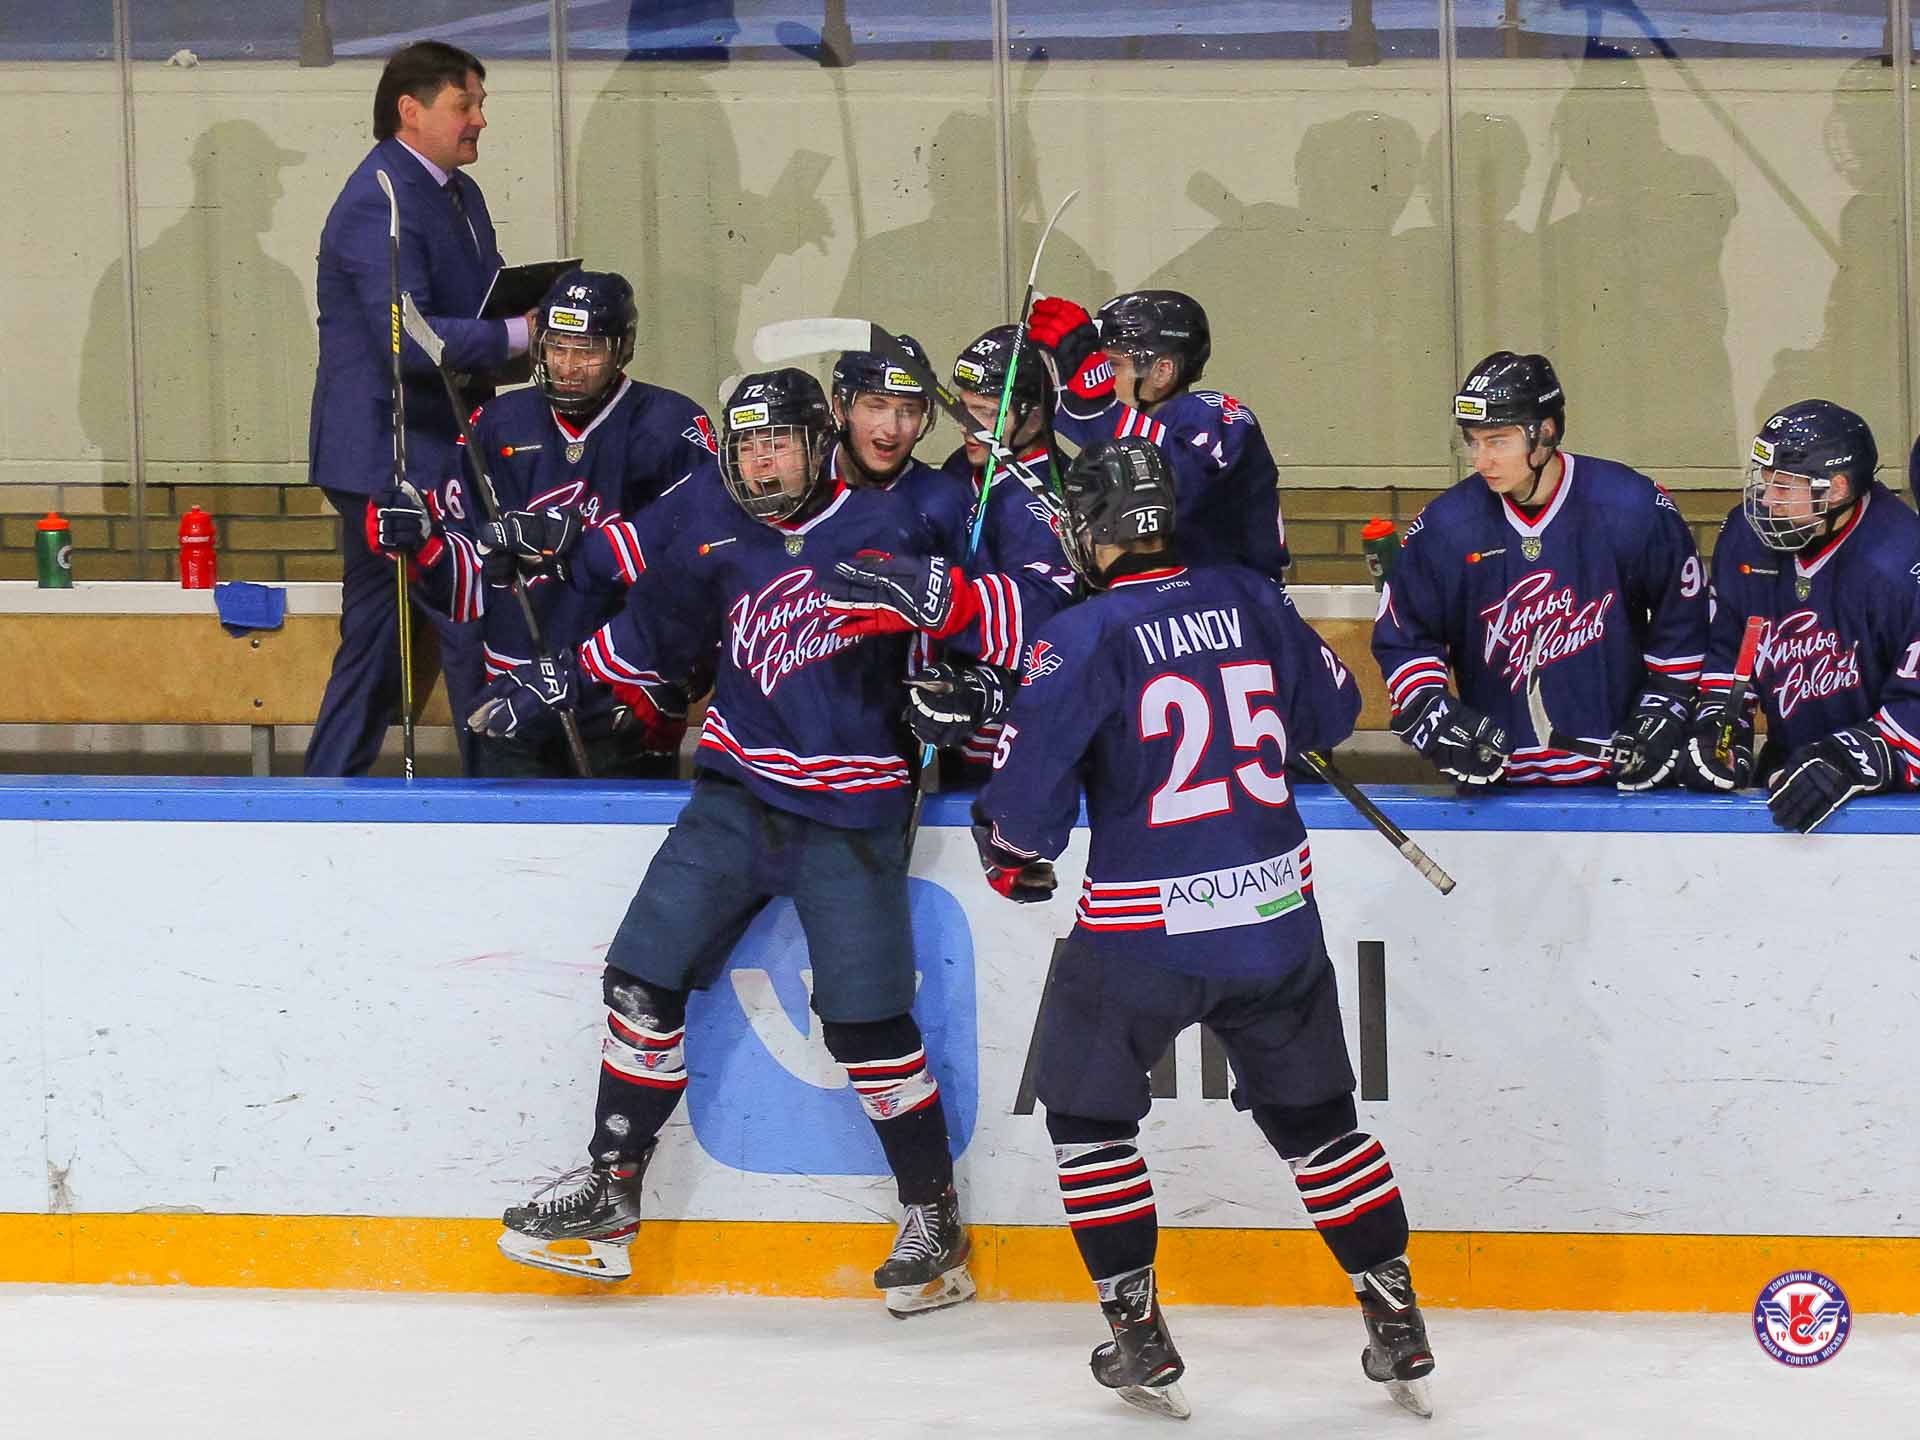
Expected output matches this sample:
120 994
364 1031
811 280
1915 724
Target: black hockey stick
1323 766
435 348
404 606
789 340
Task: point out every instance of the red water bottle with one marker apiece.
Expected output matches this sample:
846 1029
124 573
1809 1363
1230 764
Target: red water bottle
197 562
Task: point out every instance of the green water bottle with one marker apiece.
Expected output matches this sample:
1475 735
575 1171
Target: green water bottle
53 552
1382 547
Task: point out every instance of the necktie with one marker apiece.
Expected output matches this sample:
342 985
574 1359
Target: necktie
460 211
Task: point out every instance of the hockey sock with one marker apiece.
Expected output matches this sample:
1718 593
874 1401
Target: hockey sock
643 1065
1107 1194
1354 1201
887 1064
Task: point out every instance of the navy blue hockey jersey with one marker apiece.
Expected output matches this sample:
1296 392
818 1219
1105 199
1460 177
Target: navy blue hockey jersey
1843 645
1603 589
1177 696
644 440
806 718
1226 486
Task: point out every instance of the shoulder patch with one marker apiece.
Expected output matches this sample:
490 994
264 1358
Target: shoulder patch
701 433
1042 661
1232 412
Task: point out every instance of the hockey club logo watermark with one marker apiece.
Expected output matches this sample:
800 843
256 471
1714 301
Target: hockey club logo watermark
781 628
1802 1319
701 433
1805 661
1536 622
767 1098
1042 661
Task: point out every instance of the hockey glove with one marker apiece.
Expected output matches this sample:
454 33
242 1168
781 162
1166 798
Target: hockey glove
533 541
655 716
1718 754
1068 340
523 703
1461 742
1023 879
882 594
947 703
1651 739
1822 776
397 521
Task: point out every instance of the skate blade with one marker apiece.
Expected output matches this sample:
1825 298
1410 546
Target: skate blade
953 1288
591 1259
1412 1395
1168 1400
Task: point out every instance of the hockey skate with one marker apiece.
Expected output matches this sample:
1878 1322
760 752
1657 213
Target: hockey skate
1139 1363
1397 1353
927 1268
586 1231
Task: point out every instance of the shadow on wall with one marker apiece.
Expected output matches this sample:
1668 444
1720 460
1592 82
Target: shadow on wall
226 333
660 198
1635 306
1856 359
1499 257
1322 307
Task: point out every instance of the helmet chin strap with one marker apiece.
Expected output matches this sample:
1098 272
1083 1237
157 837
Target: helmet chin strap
1533 444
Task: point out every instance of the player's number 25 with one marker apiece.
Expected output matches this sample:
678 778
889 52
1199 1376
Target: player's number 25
1180 799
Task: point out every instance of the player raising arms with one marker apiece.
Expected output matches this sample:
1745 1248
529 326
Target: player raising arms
801 788
1543 560
580 451
1131 370
1829 558
1175 695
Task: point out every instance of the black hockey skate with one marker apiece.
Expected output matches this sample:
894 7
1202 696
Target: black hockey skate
587 1230
1397 1353
927 1268
1140 1363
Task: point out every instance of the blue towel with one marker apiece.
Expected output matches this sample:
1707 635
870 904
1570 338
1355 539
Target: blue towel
244 606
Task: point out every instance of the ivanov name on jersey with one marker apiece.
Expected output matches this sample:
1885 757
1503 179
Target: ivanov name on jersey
1179 694
1603 591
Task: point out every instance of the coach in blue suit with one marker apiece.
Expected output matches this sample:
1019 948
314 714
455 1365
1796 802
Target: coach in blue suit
427 119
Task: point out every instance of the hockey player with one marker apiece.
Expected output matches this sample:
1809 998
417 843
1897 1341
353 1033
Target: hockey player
881 413
1017 577
1131 371
1175 695
801 789
1831 559
1543 560
582 449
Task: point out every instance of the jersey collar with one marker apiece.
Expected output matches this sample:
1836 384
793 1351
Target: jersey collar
1806 568
841 490
566 427
1148 577
1533 529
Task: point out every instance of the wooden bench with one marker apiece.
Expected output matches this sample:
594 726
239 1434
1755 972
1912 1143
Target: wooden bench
123 652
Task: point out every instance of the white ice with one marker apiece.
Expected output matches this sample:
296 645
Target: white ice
209 1364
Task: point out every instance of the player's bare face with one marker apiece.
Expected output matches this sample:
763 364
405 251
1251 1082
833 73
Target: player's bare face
578 366
985 409
883 429
447 131
774 464
1499 454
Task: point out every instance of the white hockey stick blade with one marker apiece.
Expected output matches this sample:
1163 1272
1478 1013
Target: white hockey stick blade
415 324
1412 1395
591 1259
1033 272
786 340
393 205
727 387
1168 1400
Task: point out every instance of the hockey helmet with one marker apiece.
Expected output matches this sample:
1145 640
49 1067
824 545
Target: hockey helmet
1159 322
774 430
1116 493
1510 389
583 337
1811 441
981 369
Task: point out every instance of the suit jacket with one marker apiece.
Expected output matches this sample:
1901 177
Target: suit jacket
447 270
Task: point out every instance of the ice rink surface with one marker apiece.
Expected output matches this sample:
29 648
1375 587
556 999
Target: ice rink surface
210 1364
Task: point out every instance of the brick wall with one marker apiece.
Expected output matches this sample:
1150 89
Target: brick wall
275 532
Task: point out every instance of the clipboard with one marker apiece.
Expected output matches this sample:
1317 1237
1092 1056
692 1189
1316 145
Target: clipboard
516 289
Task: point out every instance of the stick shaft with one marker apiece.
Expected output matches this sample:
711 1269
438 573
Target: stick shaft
1324 767
403 603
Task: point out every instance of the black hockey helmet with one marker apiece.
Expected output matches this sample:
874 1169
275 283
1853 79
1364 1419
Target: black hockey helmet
1116 493
1510 389
1813 440
774 430
981 369
1159 322
857 372
591 310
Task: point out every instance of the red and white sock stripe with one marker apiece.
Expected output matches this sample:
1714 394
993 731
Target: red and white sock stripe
1103 1183
889 1089
1344 1179
644 1056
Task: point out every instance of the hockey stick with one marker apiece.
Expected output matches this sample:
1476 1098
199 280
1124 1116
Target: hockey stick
435 348
1548 738
404 605
1323 766
787 340
1743 668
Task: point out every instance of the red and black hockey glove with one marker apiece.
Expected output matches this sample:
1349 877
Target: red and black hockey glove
1068 339
653 715
1023 879
882 594
397 521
